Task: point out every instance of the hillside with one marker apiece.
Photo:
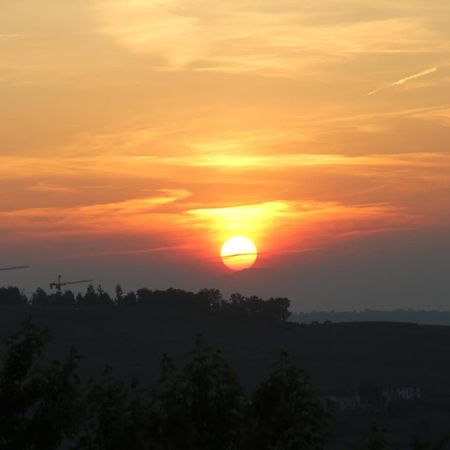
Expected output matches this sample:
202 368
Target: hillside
339 357
367 315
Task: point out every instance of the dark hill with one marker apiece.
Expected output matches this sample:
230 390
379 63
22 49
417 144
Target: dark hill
339 357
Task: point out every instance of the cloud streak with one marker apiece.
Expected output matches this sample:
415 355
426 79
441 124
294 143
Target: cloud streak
129 225
139 166
298 225
405 80
11 36
242 37
94 219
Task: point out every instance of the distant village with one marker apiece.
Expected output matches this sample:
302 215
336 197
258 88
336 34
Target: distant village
371 397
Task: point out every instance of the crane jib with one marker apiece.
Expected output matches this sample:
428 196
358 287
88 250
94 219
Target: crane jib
76 282
4 269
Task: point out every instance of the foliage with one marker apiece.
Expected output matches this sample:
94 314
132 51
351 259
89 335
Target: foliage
274 311
285 413
418 444
39 402
41 298
201 407
122 299
94 297
375 440
12 296
114 416
45 406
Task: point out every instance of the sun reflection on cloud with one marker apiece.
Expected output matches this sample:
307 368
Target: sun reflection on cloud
247 220
295 226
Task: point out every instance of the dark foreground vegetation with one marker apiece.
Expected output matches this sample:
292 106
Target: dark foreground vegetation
202 406
349 360
45 405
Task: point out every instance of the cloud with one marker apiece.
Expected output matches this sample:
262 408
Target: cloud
439 115
286 161
49 188
101 219
295 226
251 36
11 36
164 167
405 80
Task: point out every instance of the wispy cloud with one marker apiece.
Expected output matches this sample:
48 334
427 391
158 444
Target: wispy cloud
127 225
49 188
142 165
114 217
298 225
11 36
252 37
404 80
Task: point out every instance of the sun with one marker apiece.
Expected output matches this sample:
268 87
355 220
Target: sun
239 253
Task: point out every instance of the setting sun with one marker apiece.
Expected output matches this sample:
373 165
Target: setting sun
239 253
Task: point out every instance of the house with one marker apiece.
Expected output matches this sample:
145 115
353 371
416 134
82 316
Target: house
404 393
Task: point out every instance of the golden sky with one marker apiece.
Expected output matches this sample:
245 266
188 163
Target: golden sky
135 128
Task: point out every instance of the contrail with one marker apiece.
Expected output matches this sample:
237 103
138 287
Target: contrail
404 80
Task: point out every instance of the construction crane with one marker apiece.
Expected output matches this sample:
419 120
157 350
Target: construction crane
59 284
2 269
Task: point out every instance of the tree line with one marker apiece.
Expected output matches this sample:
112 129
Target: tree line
273 310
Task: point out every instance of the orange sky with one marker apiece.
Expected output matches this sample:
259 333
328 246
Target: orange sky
135 128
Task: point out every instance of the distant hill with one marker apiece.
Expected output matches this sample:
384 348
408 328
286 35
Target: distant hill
421 317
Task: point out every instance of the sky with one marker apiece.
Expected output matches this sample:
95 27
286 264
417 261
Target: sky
137 136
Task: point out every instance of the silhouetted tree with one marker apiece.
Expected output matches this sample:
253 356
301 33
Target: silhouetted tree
119 294
144 296
375 440
237 299
40 298
89 298
419 444
67 298
273 310
278 309
39 403
208 300
94 297
179 298
201 407
130 299
285 413
103 297
11 296
115 418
